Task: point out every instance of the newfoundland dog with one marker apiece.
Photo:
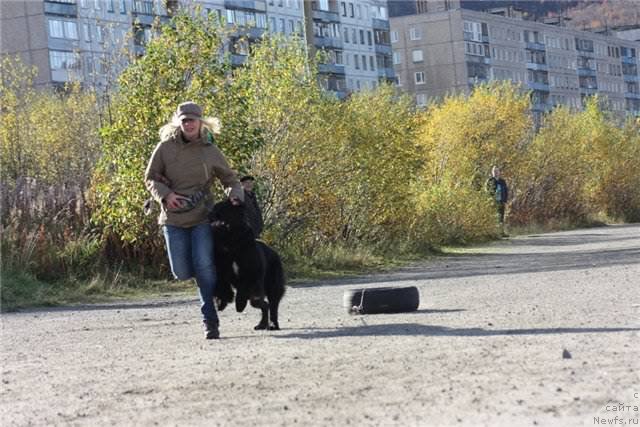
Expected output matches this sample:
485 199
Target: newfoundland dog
245 264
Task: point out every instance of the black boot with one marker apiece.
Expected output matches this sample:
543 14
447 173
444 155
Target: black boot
211 330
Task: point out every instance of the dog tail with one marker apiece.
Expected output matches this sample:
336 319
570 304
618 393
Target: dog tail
275 274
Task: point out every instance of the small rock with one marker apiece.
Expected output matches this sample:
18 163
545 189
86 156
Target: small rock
566 354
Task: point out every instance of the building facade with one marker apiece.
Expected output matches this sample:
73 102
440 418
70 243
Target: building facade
75 39
451 51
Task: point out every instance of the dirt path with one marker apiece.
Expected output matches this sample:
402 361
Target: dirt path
484 348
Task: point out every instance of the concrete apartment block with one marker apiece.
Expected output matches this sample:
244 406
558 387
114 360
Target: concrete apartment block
82 39
450 51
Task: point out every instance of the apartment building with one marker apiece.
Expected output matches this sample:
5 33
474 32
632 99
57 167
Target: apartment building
81 39
449 51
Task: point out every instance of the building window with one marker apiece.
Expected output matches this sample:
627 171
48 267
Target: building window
56 29
346 35
291 26
110 6
421 99
123 6
416 55
369 38
356 62
397 59
361 36
419 78
87 32
61 60
415 33
344 8
394 36
351 14
372 66
364 62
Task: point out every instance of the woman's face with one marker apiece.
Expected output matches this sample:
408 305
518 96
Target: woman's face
190 128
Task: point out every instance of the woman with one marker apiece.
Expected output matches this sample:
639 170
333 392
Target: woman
179 176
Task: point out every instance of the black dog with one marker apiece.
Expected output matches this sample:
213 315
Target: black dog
246 264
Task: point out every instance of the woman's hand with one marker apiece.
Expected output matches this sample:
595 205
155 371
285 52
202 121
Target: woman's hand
175 201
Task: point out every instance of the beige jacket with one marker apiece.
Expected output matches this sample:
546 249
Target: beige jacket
188 168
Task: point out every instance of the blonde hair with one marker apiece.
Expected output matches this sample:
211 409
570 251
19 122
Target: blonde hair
207 124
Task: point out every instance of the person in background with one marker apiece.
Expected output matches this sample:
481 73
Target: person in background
497 187
252 210
179 176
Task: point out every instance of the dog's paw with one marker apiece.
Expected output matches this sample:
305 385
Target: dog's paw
261 326
220 304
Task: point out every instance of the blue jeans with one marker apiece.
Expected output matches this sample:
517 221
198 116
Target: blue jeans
191 255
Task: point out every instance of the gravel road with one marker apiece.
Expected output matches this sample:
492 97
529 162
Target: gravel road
484 348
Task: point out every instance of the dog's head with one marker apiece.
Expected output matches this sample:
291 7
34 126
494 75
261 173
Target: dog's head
228 214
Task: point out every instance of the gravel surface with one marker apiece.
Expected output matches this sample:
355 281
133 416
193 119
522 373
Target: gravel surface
534 330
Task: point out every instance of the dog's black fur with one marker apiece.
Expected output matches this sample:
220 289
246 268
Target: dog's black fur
250 266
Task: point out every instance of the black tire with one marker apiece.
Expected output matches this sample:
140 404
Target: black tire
381 300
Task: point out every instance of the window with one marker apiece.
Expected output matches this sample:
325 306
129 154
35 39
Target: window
291 26
359 9
416 55
419 78
99 37
97 3
61 60
71 30
369 38
63 29
364 62
394 36
472 31
421 99
397 59
356 60
281 25
272 24
56 29
415 33
123 6
372 66
110 6
346 35
87 32
344 8
354 36
351 10
361 36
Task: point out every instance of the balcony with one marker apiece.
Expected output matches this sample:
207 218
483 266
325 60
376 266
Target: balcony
386 73
252 33
331 69
589 90
632 95
328 42
62 9
536 46
630 78
586 72
537 67
325 16
256 6
380 24
629 60
237 60
542 87
541 108
383 49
